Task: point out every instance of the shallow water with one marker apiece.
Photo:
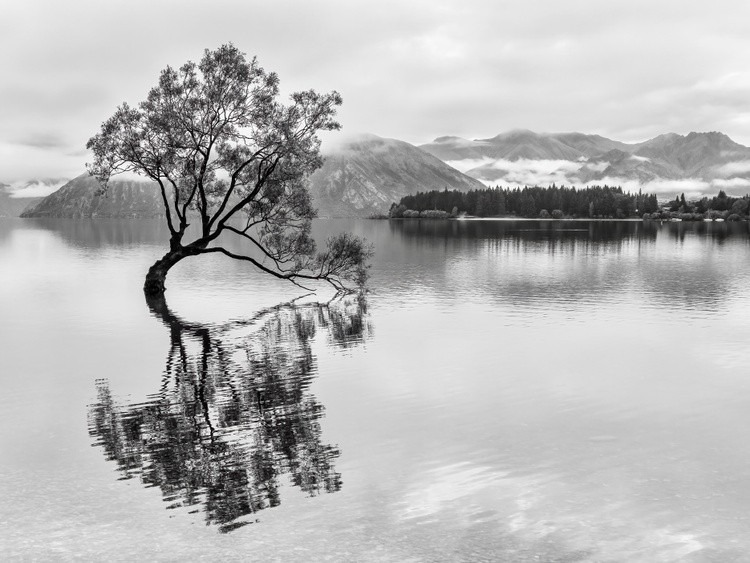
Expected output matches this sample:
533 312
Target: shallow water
521 391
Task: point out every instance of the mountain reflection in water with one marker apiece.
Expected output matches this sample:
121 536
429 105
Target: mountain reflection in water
234 411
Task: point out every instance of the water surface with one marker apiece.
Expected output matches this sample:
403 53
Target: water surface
522 391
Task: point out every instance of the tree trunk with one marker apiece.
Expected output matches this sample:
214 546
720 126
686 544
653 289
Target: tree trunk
157 273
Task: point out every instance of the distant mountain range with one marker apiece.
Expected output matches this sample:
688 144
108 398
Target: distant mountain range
667 164
360 176
365 174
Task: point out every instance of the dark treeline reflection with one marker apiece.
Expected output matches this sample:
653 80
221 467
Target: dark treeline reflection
718 232
234 412
525 231
563 231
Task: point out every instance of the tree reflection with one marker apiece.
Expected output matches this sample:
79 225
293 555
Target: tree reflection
234 411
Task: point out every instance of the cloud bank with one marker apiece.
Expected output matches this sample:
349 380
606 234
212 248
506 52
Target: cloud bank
526 172
407 70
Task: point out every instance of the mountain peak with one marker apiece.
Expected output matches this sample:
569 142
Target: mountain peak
713 136
514 134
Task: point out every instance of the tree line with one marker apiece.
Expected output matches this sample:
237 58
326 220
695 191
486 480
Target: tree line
552 201
721 206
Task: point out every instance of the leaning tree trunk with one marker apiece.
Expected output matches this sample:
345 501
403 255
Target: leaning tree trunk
157 273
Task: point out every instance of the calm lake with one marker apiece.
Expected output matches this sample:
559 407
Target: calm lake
507 391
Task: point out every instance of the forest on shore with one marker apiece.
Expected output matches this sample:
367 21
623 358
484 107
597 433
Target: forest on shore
721 206
594 202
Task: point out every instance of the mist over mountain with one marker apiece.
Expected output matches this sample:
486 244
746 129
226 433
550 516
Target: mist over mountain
36 187
15 197
13 206
697 163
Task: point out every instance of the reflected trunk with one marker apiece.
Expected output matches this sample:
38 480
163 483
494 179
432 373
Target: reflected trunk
234 411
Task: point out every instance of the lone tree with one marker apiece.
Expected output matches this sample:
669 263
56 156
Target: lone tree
230 158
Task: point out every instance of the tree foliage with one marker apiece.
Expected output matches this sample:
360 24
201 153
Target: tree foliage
228 156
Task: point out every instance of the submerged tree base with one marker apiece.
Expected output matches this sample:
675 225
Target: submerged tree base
157 273
153 287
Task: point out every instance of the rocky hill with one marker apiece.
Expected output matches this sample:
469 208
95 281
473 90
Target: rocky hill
80 198
366 174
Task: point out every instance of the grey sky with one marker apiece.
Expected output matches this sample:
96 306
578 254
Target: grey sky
412 70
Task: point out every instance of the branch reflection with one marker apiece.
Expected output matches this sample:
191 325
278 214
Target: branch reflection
234 411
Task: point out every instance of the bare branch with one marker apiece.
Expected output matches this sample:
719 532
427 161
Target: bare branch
167 212
282 276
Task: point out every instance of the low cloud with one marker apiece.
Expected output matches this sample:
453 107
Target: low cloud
463 143
673 187
597 166
521 172
732 168
693 188
131 176
525 172
336 141
640 158
732 183
466 164
35 188
541 166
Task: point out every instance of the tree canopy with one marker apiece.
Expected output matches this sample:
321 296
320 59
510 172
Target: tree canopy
229 157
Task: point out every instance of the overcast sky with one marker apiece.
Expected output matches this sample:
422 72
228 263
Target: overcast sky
412 70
